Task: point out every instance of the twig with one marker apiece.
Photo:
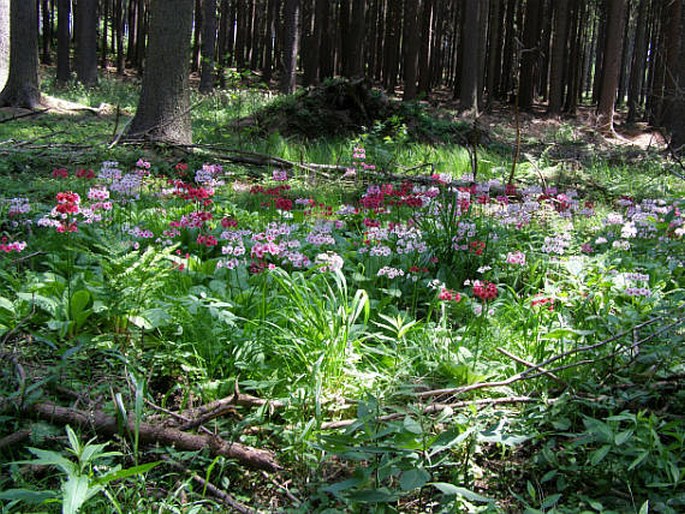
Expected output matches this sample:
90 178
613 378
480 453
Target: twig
25 115
525 374
15 438
530 364
226 498
283 488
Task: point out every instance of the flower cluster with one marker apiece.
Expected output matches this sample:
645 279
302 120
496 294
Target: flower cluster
484 290
390 272
448 295
7 247
517 258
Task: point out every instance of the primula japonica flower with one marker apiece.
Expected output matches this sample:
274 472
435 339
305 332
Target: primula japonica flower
539 301
279 175
85 173
329 261
60 173
7 247
448 295
518 258
484 290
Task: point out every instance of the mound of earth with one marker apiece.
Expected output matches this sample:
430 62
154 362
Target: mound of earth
342 107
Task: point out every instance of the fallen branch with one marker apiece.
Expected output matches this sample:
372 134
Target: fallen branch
530 364
25 115
200 415
15 438
526 374
109 426
226 498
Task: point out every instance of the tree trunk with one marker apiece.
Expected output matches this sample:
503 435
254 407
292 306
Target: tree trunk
103 36
426 35
63 41
529 54
4 41
207 76
392 42
677 120
495 51
559 44
270 37
21 88
671 49
322 16
355 49
291 32
410 48
197 36
637 69
164 106
120 27
46 23
86 42
469 90
612 62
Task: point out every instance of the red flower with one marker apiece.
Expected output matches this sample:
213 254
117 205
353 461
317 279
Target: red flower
83 173
447 295
484 290
477 247
284 204
60 173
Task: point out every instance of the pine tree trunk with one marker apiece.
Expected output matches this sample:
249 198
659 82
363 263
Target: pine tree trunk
495 50
677 120
559 44
612 62
4 41
86 42
291 32
197 37
426 35
410 48
103 37
63 41
268 63
21 88
164 106
120 19
469 90
392 42
207 76
529 54
637 69
46 40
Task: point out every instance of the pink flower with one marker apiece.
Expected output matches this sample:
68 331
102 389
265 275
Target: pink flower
484 290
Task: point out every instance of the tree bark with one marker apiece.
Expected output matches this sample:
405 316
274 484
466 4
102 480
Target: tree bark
150 434
677 120
291 40
63 41
207 76
46 24
469 82
529 54
86 42
4 41
22 88
559 45
612 62
637 69
164 107
411 47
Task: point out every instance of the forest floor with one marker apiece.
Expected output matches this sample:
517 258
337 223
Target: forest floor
383 333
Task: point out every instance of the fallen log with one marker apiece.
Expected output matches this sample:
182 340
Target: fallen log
108 426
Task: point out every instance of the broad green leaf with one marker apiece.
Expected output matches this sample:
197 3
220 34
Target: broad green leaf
7 305
77 491
624 436
79 306
411 425
339 487
644 509
50 458
414 479
598 455
373 496
550 501
453 490
119 474
27 496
